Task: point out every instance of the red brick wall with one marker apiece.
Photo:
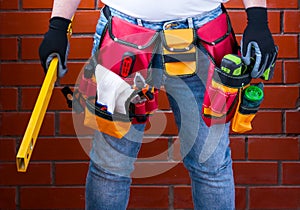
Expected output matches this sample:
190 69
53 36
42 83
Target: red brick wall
266 160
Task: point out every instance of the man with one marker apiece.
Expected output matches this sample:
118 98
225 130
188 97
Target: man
205 150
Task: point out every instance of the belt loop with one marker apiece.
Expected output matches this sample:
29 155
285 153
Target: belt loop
190 22
139 22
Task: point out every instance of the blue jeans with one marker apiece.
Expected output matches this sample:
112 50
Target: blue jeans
205 150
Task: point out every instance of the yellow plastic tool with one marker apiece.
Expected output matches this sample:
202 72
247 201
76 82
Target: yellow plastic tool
38 114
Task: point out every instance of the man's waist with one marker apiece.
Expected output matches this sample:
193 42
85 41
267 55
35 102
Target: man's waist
186 22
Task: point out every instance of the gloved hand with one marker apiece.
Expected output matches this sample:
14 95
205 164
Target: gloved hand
55 44
257 42
112 91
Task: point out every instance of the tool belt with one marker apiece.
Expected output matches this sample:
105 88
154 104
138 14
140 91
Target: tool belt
127 49
179 52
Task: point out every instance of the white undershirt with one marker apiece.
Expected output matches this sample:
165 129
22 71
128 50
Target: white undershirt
159 10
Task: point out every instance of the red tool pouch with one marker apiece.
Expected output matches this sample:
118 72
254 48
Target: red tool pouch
218 39
221 96
126 48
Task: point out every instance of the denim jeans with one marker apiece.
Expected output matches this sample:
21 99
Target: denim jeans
205 150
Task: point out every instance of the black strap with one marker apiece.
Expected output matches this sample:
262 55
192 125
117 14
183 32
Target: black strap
106 12
183 57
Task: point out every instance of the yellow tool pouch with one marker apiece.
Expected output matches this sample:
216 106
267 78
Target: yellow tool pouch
116 125
179 52
250 99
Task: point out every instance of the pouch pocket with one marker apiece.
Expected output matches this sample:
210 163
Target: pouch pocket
247 108
221 97
116 125
217 38
179 52
126 48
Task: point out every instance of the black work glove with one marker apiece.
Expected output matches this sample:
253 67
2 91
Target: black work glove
55 44
258 44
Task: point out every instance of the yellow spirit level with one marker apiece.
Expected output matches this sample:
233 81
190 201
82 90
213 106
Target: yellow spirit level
36 119
38 114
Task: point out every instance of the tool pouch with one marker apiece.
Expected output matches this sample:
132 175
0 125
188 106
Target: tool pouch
116 125
221 96
218 39
246 110
179 52
126 48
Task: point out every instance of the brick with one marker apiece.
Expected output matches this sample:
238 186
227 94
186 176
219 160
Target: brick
52 197
290 173
292 4
9 5
30 95
7 198
183 197
32 4
55 149
80 48
274 198
7 150
176 150
267 123
283 97
16 123
149 197
100 4
292 72
239 21
292 122
86 4
278 75
273 148
240 198
36 174
73 74
277 78
274 21
17 74
234 4
85 21
255 172
8 99
72 124
237 146
71 173
287 40
161 123
291 21
30 48
163 102
154 149
9 49
161 173
16 23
